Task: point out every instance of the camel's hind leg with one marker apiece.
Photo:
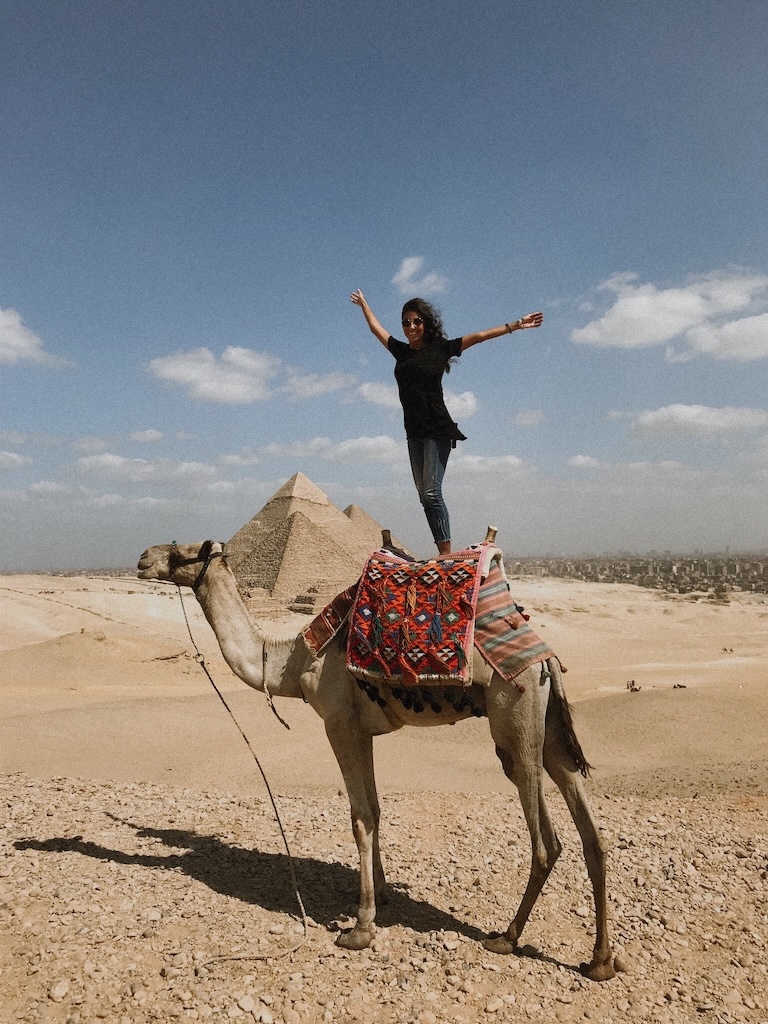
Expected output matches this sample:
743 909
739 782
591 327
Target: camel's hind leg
354 753
565 763
518 727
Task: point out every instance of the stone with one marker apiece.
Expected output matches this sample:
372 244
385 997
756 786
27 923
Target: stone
59 991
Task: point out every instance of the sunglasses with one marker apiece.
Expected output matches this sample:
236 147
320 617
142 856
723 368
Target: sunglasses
415 322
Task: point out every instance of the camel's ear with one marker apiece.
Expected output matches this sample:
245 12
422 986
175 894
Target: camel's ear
217 546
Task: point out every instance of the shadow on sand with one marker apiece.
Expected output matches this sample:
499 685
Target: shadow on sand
261 879
328 890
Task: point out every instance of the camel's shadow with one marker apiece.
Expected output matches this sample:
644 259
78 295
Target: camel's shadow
329 890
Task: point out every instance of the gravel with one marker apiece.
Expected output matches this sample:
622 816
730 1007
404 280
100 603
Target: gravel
116 901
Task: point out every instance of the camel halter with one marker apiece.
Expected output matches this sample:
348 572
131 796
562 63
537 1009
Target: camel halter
199 658
176 562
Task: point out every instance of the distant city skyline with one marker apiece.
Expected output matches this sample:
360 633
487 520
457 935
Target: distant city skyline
711 575
511 559
191 191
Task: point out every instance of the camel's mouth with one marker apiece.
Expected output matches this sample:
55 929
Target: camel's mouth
146 567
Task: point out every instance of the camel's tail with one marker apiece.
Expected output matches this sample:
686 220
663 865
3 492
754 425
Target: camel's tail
558 704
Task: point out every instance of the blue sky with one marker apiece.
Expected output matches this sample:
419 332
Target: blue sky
189 192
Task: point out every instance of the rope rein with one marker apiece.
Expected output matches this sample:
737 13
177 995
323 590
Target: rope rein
291 866
272 708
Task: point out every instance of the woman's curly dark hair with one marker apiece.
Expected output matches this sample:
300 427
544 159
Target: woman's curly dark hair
433 324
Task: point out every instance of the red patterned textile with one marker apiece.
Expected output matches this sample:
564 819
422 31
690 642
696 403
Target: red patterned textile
414 621
426 652
327 624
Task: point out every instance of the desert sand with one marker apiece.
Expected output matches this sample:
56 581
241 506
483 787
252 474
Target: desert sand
139 842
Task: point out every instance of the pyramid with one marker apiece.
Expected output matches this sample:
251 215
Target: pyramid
300 542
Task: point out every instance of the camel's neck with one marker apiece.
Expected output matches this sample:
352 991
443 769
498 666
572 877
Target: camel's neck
242 641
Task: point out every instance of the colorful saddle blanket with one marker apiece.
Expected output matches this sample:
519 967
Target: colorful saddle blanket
417 629
415 620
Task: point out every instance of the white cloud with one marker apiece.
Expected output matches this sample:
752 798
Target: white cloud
310 385
12 460
89 445
529 418
650 472
462 406
46 488
316 446
14 437
408 281
146 436
148 502
222 487
19 344
239 459
107 500
367 449
143 470
256 491
381 448
698 421
380 394
237 377
479 464
17 438
700 315
742 340
622 474
241 376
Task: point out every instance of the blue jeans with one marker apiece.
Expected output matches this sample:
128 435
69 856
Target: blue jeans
429 457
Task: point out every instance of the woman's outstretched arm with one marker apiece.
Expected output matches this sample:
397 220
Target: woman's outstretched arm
529 320
359 300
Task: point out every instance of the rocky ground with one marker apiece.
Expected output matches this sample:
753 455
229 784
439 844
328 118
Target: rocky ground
117 900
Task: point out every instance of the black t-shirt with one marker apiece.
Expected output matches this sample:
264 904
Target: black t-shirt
419 375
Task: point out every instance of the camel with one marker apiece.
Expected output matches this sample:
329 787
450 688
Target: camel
531 729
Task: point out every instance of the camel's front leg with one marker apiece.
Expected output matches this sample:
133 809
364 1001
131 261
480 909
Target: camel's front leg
354 753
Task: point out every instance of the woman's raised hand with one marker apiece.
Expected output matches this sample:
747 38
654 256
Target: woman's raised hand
532 320
370 317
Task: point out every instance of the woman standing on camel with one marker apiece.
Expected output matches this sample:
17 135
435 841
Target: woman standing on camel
419 368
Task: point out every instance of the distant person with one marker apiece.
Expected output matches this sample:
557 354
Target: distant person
419 368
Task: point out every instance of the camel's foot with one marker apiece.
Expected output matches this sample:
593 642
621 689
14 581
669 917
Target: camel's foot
504 944
598 970
359 937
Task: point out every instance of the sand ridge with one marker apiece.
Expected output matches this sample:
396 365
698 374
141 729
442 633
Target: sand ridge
138 843
82 653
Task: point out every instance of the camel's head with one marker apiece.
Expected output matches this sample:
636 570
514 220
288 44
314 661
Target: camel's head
183 564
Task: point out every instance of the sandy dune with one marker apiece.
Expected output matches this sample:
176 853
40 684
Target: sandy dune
99 682
138 844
